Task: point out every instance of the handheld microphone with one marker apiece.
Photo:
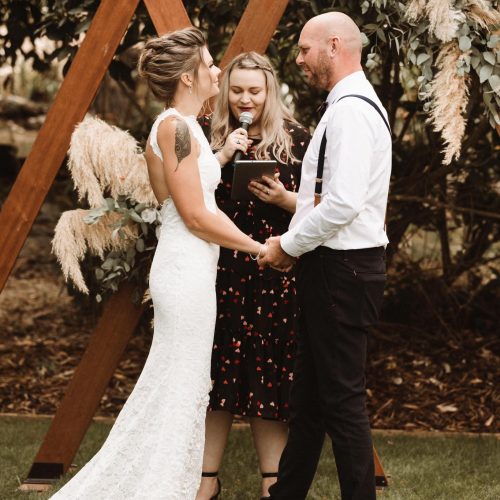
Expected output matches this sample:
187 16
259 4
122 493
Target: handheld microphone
246 119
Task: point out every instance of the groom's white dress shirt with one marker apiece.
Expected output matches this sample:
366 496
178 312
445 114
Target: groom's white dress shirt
356 176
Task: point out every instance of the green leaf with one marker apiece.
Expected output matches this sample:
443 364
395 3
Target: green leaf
381 35
427 72
464 30
139 245
135 217
108 264
485 72
110 276
474 60
493 41
494 81
83 26
464 43
421 58
490 58
396 41
130 254
99 274
110 203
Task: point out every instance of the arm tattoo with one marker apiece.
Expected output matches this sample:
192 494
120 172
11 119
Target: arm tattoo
182 141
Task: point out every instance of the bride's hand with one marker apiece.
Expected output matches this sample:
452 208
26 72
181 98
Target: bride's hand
263 251
275 257
237 140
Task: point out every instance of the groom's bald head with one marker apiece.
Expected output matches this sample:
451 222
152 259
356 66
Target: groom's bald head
330 48
332 24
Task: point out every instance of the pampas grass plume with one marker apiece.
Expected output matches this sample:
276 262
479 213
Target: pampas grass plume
103 158
73 238
444 20
482 13
69 246
415 9
449 93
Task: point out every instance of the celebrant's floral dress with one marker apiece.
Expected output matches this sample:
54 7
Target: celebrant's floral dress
254 342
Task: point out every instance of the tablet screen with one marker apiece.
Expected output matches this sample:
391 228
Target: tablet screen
246 171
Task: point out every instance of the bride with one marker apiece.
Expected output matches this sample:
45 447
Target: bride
155 448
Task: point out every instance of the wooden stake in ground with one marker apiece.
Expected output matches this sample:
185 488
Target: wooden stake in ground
74 415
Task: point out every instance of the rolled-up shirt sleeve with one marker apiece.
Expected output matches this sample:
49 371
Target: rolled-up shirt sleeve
349 151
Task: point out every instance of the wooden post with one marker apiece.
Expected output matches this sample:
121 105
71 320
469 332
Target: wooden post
50 147
86 388
167 16
381 480
256 28
120 318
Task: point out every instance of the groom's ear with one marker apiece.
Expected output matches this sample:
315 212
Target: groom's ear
333 45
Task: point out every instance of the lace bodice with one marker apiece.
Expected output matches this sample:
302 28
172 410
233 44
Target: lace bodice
208 165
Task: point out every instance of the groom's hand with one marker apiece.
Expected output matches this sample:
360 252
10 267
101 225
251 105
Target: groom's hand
276 257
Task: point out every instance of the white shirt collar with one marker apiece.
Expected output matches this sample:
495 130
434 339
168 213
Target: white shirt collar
345 85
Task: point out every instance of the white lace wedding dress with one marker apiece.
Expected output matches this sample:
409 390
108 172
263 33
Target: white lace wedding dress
155 449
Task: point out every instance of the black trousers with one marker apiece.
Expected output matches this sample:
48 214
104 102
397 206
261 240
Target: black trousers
340 293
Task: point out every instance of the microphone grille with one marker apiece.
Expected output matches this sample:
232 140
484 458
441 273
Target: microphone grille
246 117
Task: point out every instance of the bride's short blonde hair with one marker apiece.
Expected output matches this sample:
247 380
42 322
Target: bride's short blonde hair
274 112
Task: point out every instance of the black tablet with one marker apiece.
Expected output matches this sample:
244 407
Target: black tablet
246 171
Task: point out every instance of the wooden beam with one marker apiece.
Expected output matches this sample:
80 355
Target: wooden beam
119 318
381 479
167 16
50 147
86 388
256 28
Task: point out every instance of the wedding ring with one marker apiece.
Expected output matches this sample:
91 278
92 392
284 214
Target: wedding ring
267 191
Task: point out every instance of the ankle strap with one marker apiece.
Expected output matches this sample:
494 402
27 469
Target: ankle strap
269 474
209 474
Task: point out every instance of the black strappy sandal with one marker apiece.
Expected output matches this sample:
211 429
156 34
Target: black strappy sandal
268 474
219 485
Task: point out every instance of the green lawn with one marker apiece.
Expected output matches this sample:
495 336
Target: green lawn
422 467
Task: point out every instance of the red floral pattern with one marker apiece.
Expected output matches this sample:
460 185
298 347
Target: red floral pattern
254 343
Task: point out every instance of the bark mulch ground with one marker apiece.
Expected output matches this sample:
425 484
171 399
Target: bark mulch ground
417 380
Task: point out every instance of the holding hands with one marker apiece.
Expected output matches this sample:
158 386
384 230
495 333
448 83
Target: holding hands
275 256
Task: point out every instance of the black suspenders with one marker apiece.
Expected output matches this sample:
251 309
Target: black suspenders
321 158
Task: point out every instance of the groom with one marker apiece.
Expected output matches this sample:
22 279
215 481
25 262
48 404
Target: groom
340 246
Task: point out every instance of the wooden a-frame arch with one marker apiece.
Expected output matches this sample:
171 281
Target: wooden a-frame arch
119 318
